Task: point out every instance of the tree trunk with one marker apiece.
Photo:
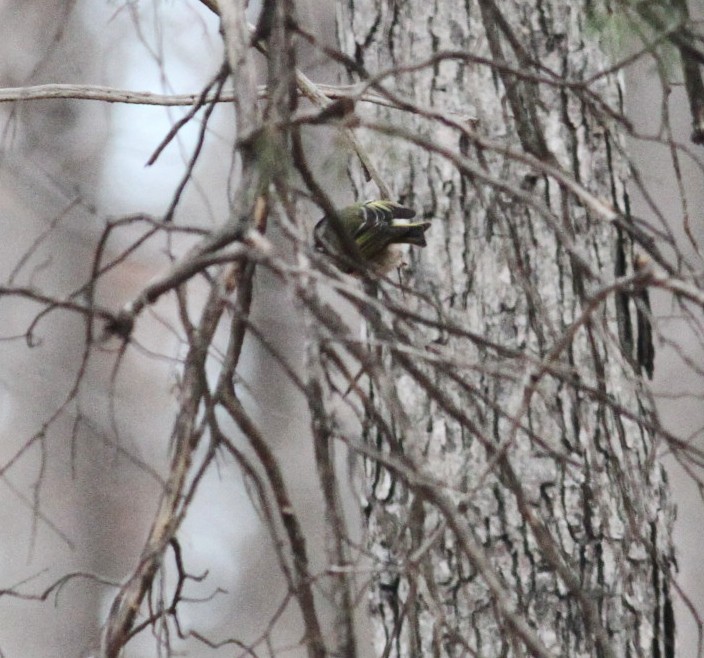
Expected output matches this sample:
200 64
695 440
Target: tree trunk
514 498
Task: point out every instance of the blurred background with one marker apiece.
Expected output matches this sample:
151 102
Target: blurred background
79 487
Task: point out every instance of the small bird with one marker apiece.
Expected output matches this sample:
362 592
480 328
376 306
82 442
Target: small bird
376 227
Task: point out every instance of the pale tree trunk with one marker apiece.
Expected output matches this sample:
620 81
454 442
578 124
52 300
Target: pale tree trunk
50 158
515 501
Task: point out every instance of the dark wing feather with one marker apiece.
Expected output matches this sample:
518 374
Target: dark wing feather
378 229
374 234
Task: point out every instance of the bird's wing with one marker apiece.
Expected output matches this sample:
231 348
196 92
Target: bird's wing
384 223
374 234
390 209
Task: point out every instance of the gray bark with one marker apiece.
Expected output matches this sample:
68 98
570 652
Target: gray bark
519 506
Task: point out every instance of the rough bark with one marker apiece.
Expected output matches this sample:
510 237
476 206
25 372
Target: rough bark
520 426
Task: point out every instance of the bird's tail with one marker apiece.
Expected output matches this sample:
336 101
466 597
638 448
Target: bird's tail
410 232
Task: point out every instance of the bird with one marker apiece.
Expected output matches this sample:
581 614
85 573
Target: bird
374 228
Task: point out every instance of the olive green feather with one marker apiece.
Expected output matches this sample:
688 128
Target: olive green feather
373 226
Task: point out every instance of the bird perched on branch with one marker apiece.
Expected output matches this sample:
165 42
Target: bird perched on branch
372 230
